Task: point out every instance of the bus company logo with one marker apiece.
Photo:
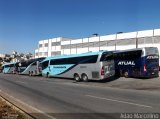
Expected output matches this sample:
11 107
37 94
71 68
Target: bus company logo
152 57
126 63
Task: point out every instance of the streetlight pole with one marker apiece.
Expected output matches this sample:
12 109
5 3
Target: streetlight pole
99 42
116 42
137 39
153 37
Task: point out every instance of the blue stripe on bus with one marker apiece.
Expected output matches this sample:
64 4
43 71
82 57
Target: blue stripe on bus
6 70
68 69
58 69
27 68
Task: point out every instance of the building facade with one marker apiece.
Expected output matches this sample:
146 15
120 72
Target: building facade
118 41
2 55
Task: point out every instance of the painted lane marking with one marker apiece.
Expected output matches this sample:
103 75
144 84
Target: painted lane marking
21 82
125 102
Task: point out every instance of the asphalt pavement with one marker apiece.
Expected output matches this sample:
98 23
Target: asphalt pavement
64 98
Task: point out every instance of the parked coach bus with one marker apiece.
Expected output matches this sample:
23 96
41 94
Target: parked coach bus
30 67
139 62
9 68
87 66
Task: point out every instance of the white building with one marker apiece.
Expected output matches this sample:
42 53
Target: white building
2 55
118 41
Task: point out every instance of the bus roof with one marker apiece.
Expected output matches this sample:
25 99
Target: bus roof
134 49
74 55
27 61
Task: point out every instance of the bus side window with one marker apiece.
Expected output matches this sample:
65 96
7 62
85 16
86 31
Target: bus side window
73 60
89 59
107 56
45 64
58 61
35 63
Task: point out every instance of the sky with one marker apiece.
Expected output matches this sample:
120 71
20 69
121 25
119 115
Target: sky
25 22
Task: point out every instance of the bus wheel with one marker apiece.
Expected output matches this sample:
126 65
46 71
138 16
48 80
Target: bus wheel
125 74
76 77
47 75
30 73
84 77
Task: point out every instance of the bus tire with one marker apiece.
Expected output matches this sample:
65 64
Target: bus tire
125 74
84 77
29 73
47 75
32 73
77 77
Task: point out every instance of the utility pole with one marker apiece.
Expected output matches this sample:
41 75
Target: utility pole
116 39
137 40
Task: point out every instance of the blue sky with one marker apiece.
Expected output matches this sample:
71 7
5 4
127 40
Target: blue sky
24 22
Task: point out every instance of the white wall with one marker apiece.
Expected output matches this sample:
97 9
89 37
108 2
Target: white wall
108 37
82 50
76 41
156 32
66 51
125 47
85 40
103 48
127 35
146 33
67 41
94 39
49 47
93 49
73 51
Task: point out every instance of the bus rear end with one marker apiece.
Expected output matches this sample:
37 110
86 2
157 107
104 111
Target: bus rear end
9 68
107 65
6 69
151 62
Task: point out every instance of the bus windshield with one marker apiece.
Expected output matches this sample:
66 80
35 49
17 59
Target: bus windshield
45 64
152 60
106 56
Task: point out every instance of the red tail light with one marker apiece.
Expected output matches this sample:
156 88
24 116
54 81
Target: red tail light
102 70
145 67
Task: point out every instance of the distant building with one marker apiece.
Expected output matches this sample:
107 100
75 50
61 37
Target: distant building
50 47
2 55
15 57
118 41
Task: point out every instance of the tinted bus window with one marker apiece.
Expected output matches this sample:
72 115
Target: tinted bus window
152 60
58 61
75 60
45 64
106 56
35 63
89 59
6 66
24 64
12 65
151 51
83 59
129 55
